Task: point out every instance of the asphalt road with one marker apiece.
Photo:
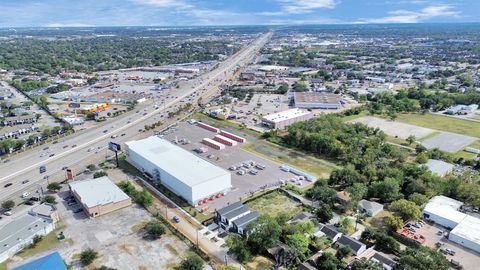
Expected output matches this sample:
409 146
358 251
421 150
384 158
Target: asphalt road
91 143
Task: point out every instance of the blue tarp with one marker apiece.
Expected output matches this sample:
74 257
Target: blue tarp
49 262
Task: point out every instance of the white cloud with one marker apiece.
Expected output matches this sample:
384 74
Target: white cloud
305 6
406 16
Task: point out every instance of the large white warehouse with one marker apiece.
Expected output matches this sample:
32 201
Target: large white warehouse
187 175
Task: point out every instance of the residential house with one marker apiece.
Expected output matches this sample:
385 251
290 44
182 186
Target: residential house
369 208
356 246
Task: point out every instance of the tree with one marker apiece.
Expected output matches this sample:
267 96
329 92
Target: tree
387 190
9 204
422 258
394 223
299 242
49 199
144 198
422 158
327 262
322 193
238 246
92 167
418 199
411 139
324 213
37 239
342 252
103 267
407 210
366 264
88 256
357 192
191 262
100 174
154 229
54 186
264 233
346 225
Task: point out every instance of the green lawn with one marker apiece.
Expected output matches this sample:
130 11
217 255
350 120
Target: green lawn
466 155
274 203
48 242
443 123
354 116
318 167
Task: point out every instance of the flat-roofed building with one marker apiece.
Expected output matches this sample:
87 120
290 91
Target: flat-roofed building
187 175
443 211
19 234
99 196
467 233
283 119
317 100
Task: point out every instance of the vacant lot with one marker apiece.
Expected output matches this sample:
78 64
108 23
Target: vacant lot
443 123
394 129
274 203
449 142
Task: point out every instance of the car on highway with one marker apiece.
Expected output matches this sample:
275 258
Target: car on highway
74 145
123 134
144 113
25 181
54 142
105 131
51 155
65 146
46 148
114 136
176 219
64 168
6 161
7 185
25 194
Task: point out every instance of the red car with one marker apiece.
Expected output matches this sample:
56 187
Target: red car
65 146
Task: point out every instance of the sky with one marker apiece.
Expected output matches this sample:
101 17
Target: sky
65 13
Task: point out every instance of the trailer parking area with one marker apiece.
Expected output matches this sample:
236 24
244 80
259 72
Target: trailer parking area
250 173
449 142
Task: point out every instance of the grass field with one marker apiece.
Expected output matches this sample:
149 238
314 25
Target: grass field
443 123
259 263
318 167
274 203
219 123
466 155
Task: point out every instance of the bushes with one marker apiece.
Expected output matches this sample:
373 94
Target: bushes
144 198
49 199
154 229
88 256
8 204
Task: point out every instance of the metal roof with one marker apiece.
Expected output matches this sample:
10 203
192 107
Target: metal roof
176 161
229 208
468 229
21 228
98 191
237 212
245 220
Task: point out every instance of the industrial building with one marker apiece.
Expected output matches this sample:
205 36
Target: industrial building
317 100
19 234
187 175
283 119
446 212
99 196
439 167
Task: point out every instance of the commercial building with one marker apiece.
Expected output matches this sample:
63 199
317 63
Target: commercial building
317 100
45 210
99 196
445 211
19 234
283 119
187 175
53 261
467 233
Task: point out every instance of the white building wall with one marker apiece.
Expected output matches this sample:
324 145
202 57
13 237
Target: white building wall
464 242
445 222
191 194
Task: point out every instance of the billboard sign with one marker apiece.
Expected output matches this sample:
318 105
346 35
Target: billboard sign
115 147
69 174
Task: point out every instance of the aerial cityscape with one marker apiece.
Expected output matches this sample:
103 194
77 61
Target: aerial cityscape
268 134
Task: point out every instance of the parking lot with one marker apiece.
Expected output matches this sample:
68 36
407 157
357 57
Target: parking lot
449 142
244 184
394 129
117 237
436 237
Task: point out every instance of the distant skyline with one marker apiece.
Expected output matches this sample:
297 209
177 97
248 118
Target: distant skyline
65 13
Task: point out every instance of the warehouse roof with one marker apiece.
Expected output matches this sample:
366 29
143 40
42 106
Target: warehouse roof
176 161
445 207
439 167
285 115
468 229
315 97
98 191
21 228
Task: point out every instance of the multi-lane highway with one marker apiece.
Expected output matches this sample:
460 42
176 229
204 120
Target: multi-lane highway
89 146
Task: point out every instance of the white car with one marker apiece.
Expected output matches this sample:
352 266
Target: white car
25 194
